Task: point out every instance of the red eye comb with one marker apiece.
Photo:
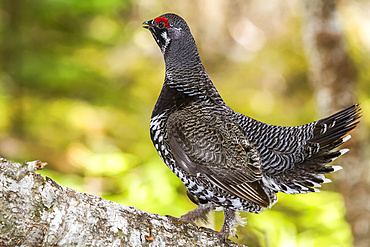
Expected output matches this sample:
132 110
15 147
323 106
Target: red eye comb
164 19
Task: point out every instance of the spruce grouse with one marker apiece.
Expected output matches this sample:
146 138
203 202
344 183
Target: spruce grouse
226 160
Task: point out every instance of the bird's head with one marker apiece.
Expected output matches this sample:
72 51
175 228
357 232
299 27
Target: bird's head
167 28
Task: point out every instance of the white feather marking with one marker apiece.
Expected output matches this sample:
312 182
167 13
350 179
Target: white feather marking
210 194
335 158
346 138
343 151
326 180
177 28
156 134
301 187
332 124
290 191
236 203
316 184
167 40
221 200
191 184
325 128
199 189
337 168
155 121
270 183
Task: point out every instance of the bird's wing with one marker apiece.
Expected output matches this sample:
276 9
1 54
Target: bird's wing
218 151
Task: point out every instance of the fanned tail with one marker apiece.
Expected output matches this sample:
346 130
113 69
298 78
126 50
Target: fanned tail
325 135
332 132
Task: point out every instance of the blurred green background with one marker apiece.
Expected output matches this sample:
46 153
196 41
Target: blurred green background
79 79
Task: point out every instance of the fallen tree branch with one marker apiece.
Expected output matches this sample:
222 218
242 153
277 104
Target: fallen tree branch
39 212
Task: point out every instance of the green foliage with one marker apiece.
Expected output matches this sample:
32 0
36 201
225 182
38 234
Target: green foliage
295 222
78 81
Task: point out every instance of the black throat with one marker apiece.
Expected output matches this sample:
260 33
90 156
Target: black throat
186 80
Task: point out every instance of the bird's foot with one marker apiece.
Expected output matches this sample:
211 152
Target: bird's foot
225 235
181 220
228 228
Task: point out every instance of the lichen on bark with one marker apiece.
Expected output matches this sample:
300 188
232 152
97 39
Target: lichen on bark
39 212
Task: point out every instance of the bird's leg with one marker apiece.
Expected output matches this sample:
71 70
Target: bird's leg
230 222
200 213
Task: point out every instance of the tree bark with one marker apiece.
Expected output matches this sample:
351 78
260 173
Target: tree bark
333 75
38 212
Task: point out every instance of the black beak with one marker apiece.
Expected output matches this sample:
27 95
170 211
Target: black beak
147 24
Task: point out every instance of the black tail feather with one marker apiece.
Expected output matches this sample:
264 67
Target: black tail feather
329 132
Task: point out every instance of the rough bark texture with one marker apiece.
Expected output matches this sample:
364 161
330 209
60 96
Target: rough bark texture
38 212
333 75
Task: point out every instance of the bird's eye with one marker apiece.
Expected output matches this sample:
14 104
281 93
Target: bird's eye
160 24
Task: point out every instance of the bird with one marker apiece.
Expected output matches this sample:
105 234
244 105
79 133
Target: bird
228 161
